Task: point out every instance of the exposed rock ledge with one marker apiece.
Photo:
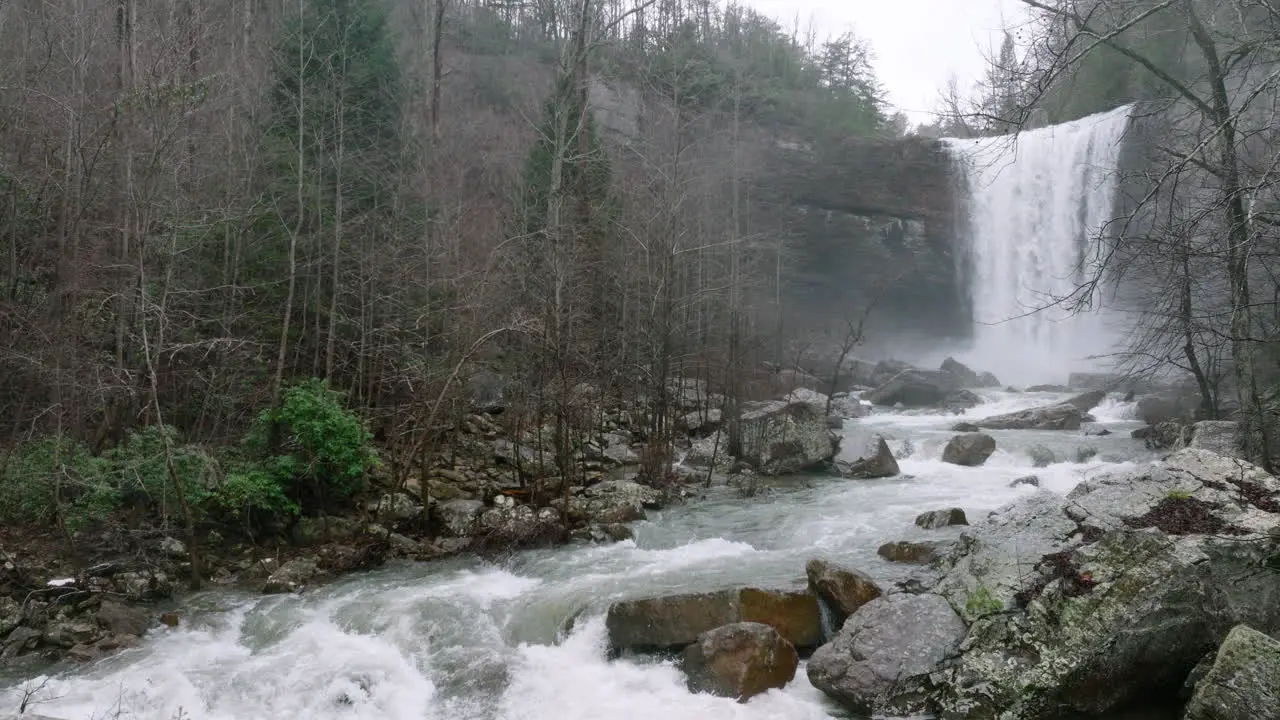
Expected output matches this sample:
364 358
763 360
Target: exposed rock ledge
1073 605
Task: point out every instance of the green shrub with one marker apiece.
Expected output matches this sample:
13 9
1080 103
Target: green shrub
315 449
55 479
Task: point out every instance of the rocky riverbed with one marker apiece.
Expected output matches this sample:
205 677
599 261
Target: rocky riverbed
1057 558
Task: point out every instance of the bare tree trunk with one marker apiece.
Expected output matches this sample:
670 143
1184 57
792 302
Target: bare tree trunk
283 348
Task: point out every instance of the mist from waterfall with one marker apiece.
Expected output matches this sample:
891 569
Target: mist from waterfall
1036 204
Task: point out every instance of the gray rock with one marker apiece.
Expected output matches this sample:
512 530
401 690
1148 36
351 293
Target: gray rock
969 449
1062 416
20 640
935 519
991 560
867 456
849 407
740 661
885 647
457 518
844 590
1028 480
914 388
291 577
71 632
675 621
1219 436
618 449
309 531
396 507
174 548
1087 401
965 377
913 553
960 400
988 380
1087 603
1165 436
143 585
507 528
612 502
964 427
1244 681
700 421
781 438
120 619
1041 456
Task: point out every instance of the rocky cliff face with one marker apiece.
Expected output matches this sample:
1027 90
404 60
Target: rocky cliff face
861 217
868 214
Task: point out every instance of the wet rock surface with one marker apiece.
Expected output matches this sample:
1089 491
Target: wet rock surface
740 661
673 622
783 438
867 456
935 519
885 647
1109 612
843 589
1243 683
969 449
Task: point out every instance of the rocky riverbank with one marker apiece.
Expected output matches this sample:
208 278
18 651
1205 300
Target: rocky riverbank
1128 589
492 492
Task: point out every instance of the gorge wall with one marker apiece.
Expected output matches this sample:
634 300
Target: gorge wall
873 218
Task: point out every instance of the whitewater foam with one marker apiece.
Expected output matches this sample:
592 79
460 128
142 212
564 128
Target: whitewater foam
1038 203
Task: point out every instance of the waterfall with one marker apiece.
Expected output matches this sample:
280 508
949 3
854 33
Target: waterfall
1037 204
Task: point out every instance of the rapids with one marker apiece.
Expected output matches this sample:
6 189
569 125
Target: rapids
525 640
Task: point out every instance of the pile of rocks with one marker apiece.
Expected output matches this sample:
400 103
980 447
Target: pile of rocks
105 609
1138 582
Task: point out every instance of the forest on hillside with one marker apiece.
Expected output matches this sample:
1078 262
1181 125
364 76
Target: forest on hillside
253 252
245 243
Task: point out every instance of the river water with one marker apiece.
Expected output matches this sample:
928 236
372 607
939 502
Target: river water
525 640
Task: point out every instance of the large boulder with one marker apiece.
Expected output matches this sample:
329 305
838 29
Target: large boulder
849 407
293 576
1244 681
887 646
866 455
456 518
670 623
740 661
506 528
1219 436
1060 416
1088 400
885 370
780 438
120 619
966 377
969 449
914 388
935 519
1086 603
844 590
912 553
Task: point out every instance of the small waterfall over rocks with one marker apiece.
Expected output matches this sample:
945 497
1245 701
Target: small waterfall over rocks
1036 205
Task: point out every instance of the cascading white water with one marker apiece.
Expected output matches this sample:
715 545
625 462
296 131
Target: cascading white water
525 640
1037 204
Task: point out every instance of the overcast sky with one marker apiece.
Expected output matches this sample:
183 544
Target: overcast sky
918 44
